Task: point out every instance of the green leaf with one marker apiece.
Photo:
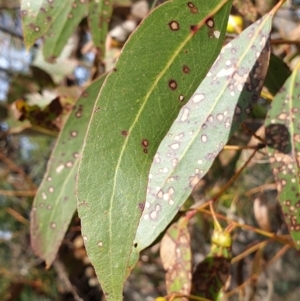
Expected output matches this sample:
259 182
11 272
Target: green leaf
160 67
99 18
55 201
57 19
278 73
176 257
203 127
283 145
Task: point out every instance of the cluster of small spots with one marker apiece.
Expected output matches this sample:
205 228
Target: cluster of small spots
179 136
163 170
145 144
167 196
153 214
174 25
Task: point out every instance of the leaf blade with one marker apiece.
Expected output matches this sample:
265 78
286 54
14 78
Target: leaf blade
176 257
282 136
135 98
99 18
39 16
55 201
188 150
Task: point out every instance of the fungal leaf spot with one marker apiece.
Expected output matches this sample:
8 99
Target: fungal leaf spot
192 7
186 69
173 84
174 25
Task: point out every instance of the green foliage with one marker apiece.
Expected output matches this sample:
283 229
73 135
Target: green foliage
137 105
283 145
55 21
99 18
139 140
203 127
55 201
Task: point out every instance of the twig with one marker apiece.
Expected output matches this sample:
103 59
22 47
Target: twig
17 192
17 216
279 254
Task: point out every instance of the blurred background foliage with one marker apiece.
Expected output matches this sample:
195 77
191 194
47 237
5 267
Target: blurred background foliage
35 99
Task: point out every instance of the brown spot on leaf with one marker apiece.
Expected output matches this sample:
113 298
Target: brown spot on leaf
173 84
124 133
84 94
186 69
145 143
194 28
145 151
193 8
174 25
210 22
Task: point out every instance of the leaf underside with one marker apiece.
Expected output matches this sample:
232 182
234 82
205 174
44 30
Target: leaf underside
55 201
283 146
161 65
203 127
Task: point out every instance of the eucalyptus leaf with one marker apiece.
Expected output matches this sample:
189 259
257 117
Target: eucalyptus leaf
53 20
99 18
203 127
55 201
161 65
283 145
